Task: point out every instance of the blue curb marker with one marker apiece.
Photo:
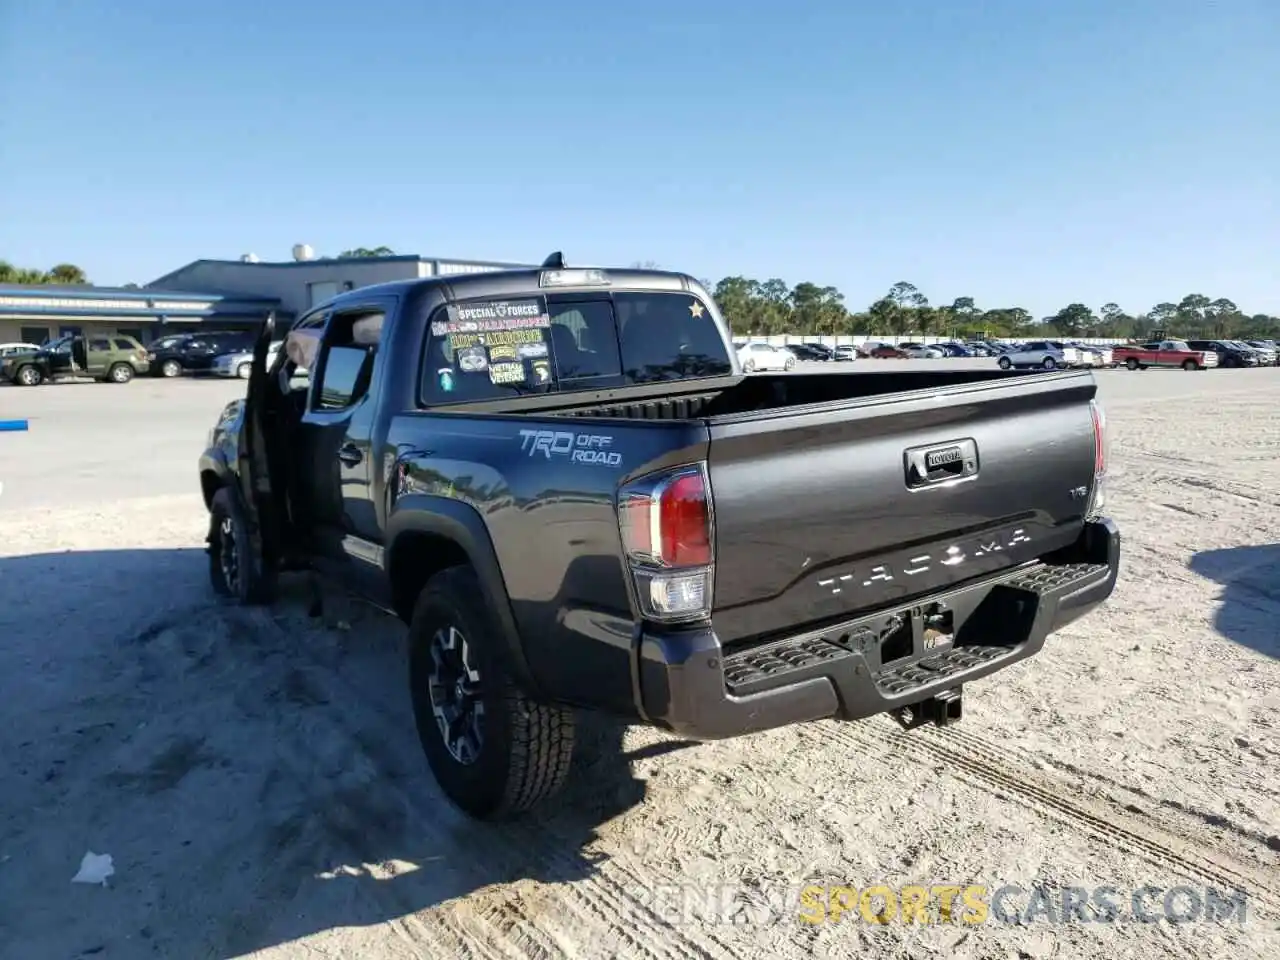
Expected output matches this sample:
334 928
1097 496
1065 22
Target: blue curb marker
13 426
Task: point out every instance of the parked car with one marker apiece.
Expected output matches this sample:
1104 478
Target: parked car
239 364
845 353
1047 354
1267 348
596 420
881 351
1090 354
1231 353
810 351
12 349
953 349
195 352
765 356
919 351
1166 353
980 348
111 359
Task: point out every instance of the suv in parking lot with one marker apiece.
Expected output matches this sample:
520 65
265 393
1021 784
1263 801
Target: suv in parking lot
173 356
112 359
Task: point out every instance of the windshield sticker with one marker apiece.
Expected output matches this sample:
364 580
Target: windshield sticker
503 351
527 351
696 309
541 370
472 360
446 379
506 372
493 316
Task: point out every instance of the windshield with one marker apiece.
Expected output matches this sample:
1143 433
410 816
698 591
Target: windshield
481 350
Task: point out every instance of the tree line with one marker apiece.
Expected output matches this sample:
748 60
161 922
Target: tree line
67 274
771 307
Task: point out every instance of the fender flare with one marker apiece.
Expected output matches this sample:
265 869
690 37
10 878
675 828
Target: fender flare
213 461
461 523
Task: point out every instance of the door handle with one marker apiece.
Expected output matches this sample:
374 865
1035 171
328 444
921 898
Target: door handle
350 454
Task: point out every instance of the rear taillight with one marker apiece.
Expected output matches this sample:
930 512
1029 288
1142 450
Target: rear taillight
1098 498
668 536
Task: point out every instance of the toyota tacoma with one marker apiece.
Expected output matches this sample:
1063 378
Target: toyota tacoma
562 482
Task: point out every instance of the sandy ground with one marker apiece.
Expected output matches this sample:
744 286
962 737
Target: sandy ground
257 780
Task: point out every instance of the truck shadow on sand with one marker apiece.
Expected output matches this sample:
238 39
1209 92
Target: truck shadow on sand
255 774
1250 603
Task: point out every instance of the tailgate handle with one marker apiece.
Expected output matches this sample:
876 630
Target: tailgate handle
938 463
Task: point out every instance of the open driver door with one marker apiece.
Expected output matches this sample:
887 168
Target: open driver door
259 495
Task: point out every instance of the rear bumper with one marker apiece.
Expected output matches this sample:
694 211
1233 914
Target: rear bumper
689 685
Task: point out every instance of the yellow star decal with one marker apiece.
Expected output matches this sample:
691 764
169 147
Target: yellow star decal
696 309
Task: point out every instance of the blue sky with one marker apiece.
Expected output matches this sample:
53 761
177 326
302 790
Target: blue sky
1023 152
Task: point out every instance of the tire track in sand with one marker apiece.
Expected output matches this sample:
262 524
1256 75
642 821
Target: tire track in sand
979 762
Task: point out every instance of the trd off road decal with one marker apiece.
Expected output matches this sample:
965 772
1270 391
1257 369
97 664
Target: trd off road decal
576 447
494 315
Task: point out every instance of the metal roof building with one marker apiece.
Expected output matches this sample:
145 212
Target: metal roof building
33 314
303 282
215 293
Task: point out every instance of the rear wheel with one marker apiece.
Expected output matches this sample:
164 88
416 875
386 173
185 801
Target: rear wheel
244 370
235 569
1005 363
171 368
1049 363
1132 363
493 750
28 376
120 373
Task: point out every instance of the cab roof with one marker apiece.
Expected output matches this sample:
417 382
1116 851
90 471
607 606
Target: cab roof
527 282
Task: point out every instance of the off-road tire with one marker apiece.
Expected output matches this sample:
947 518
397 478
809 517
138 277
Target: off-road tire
255 582
1004 363
171 368
525 746
28 376
120 373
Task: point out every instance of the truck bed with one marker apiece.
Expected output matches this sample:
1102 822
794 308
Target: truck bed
817 515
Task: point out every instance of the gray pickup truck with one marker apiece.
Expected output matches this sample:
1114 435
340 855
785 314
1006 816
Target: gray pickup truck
562 482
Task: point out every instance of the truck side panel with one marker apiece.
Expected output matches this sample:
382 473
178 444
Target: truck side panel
545 489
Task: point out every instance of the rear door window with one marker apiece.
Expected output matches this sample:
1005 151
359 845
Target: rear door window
493 349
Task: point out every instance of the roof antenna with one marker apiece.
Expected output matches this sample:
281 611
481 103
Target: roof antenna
554 262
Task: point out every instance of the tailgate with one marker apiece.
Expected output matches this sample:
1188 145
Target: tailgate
824 511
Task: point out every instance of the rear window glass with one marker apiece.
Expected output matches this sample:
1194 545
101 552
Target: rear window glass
492 349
